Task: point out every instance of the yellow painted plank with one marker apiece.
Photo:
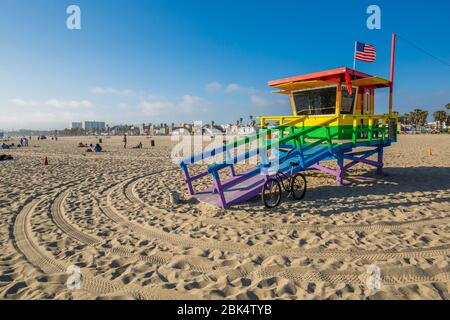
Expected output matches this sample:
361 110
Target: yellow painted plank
373 81
303 85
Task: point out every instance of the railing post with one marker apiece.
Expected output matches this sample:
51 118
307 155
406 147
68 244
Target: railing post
300 147
233 172
370 131
330 143
340 169
187 178
338 99
262 122
380 161
355 130
230 161
383 130
218 187
296 141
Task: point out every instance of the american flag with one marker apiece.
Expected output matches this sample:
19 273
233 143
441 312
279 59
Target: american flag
365 52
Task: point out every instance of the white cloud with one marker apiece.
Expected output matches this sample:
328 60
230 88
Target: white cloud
58 103
232 88
112 91
213 87
53 103
41 119
24 103
259 101
187 104
190 104
156 107
236 88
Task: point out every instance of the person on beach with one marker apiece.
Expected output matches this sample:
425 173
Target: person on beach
124 141
5 157
139 146
23 142
98 148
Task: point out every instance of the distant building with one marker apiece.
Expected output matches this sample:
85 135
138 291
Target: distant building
94 126
145 130
181 132
77 125
119 130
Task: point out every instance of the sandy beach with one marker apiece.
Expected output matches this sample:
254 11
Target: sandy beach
109 214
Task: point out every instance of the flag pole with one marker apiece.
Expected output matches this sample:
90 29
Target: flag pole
354 57
391 78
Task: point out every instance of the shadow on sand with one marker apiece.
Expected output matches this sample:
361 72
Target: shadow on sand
397 183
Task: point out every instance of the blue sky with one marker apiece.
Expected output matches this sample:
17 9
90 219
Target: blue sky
163 61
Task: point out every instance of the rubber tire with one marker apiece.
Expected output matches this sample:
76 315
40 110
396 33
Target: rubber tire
275 184
298 177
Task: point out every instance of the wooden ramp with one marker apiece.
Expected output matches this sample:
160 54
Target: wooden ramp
236 193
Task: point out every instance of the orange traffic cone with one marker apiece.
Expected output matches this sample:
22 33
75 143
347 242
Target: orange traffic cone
46 161
430 152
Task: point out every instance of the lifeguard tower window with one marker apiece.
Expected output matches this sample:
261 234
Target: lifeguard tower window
316 102
347 101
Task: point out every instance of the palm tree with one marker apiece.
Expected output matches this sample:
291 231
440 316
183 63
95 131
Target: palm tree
405 119
252 121
440 117
419 118
447 106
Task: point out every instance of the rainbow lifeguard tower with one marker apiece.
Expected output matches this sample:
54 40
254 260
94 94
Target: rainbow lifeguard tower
333 118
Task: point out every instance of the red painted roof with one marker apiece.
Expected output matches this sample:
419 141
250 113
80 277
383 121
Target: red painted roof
336 75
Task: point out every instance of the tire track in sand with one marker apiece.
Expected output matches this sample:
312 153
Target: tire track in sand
378 226
58 216
100 286
150 232
389 276
95 284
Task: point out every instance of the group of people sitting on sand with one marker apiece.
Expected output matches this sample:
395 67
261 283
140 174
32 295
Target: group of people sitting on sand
23 142
99 148
91 147
6 146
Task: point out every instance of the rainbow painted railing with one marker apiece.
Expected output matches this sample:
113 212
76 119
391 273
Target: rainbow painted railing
309 151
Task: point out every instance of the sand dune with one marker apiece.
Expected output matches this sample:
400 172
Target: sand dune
109 214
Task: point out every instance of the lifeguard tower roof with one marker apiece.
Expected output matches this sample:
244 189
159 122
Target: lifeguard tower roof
326 78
